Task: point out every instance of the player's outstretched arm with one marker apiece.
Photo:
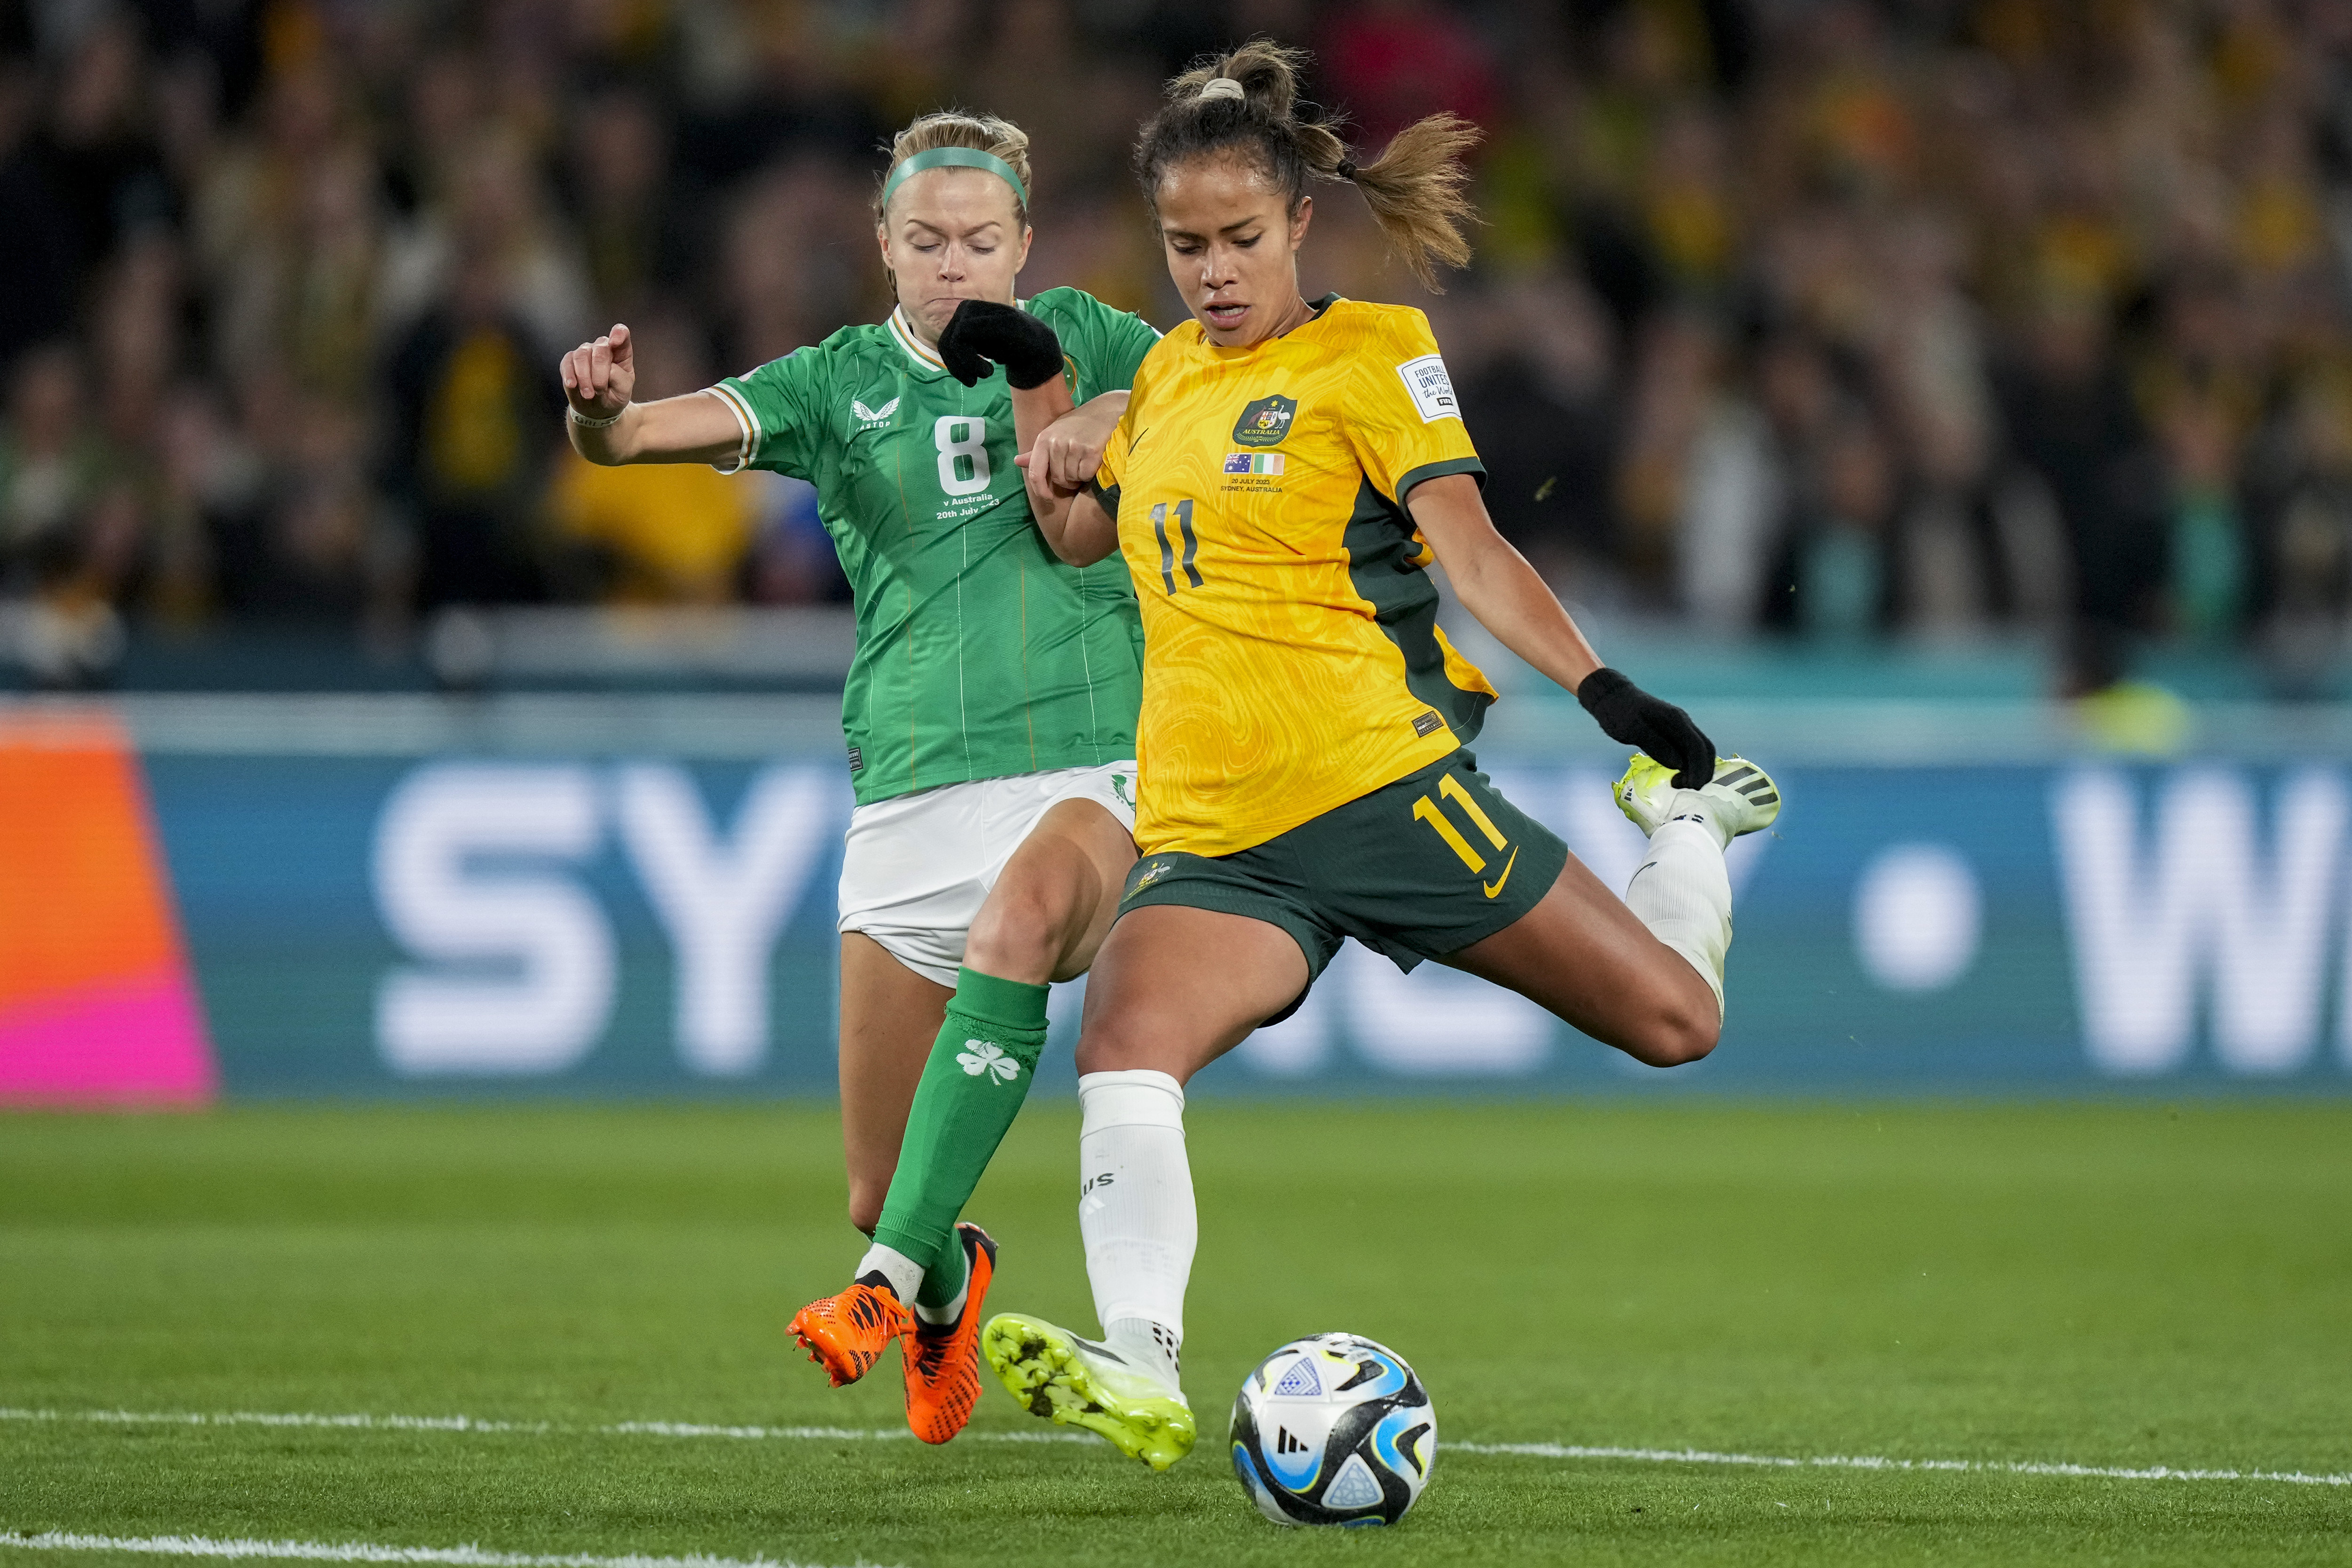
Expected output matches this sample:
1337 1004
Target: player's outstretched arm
606 427
1495 583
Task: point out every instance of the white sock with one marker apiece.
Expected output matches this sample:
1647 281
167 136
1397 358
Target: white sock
936 1316
906 1275
1154 1347
1135 1212
1683 893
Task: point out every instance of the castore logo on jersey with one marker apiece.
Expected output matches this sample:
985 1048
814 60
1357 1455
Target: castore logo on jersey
873 416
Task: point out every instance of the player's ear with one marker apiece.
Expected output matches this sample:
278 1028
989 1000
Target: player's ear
1299 220
1022 260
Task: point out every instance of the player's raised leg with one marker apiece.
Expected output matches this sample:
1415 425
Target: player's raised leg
1681 890
1155 1015
1644 973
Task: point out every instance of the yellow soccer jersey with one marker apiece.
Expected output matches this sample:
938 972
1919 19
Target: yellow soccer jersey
1292 660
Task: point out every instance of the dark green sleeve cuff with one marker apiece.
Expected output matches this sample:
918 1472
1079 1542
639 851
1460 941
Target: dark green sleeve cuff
1107 496
1413 477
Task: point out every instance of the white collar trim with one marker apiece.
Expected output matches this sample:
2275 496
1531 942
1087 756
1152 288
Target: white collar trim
915 347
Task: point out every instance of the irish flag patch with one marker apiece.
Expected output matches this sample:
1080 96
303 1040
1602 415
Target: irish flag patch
1252 462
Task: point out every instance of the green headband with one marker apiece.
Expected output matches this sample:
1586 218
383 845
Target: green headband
955 158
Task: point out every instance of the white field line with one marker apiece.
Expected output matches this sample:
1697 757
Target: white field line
358 1552
874 1434
477 1424
1880 1462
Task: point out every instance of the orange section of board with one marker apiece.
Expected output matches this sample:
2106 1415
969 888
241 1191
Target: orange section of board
83 898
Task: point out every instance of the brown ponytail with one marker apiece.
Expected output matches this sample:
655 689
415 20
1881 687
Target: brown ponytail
1415 187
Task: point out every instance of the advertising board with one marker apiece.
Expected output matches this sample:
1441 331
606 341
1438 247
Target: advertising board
355 922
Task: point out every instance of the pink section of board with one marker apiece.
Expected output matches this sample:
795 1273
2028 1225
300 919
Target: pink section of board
140 1042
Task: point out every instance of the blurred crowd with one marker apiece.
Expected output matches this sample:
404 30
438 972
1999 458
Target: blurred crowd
1819 319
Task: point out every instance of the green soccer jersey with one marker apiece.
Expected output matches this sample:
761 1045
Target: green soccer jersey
979 653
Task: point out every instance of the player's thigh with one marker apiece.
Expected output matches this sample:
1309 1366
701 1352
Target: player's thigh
1175 987
1582 955
1053 902
890 1018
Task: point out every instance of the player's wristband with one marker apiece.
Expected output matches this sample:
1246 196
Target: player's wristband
586 424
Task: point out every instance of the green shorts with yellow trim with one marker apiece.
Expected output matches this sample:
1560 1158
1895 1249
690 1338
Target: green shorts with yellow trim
1416 870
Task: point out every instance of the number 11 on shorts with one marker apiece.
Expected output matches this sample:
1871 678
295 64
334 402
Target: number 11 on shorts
1426 810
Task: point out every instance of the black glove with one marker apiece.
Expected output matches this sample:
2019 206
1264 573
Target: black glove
982 331
1625 712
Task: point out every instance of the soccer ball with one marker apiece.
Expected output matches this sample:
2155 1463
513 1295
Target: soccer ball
1333 1429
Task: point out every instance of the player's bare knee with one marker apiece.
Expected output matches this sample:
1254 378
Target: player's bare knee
1678 1027
1102 1055
1018 936
1685 1035
1686 1041
1112 1044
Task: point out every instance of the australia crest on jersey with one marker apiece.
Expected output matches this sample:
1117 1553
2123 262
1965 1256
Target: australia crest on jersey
1265 422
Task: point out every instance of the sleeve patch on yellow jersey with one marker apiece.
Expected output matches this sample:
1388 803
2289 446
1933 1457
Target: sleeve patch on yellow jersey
1432 389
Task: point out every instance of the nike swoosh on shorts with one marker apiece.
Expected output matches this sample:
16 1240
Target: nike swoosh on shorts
1498 886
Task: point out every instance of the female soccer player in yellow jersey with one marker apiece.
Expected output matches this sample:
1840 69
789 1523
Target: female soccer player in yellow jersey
1283 477
990 714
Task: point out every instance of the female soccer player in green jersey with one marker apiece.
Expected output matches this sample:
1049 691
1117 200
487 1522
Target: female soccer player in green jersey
990 714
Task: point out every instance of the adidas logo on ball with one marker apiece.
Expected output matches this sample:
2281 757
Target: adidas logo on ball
1333 1429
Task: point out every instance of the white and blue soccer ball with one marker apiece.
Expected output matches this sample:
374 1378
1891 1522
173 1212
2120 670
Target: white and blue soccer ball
1334 1429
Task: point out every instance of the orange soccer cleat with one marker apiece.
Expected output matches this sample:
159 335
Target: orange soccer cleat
943 1359
846 1335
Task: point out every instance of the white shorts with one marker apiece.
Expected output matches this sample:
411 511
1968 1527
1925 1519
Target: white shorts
916 868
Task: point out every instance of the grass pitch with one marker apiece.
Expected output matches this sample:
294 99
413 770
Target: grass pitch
2123 1286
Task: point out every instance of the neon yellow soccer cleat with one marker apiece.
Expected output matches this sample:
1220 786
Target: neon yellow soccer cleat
1078 1382
1741 798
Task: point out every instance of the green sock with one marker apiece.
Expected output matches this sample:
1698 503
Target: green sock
970 1090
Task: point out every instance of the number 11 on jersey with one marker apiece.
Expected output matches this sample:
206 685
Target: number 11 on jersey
1167 551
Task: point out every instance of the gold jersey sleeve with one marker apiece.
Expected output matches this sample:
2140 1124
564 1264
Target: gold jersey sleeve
1292 657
